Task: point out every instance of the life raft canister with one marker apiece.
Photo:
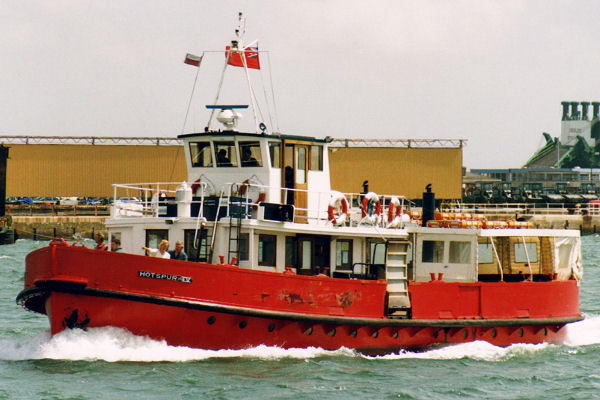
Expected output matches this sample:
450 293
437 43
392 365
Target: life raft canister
337 211
371 208
394 213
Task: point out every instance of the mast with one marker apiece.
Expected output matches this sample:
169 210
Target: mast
237 46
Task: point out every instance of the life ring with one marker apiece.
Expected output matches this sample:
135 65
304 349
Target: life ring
244 188
337 211
195 186
394 213
371 208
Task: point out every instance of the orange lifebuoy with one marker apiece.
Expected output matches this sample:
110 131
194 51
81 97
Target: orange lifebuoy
394 209
337 210
243 187
195 186
367 204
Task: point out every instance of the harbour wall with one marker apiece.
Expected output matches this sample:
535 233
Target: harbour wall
49 227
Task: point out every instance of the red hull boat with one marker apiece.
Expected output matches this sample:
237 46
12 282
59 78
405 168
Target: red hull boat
227 307
275 257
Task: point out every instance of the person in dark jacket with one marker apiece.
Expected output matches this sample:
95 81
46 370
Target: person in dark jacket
178 253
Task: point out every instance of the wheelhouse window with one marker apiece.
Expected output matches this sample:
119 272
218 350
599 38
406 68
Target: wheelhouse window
200 154
521 255
316 158
460 252
433 251
154 237
226 154
267 245
275 153
250 154
343 254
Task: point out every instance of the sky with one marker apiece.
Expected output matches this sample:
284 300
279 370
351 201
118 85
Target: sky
491 72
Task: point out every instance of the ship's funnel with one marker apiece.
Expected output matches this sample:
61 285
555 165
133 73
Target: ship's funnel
428 205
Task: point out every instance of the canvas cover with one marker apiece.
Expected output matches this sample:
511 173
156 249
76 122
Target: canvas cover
567 258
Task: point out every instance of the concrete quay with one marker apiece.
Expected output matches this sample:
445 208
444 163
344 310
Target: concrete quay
49 227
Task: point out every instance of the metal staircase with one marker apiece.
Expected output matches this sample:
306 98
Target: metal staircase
396 272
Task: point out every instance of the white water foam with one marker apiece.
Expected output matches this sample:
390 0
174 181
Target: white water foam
584 333
478 350
114 345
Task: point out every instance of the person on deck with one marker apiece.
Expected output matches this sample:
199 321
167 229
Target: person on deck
161 252
100 245
115 245
178 253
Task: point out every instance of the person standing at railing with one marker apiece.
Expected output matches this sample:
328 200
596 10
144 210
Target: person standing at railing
161 252
100 245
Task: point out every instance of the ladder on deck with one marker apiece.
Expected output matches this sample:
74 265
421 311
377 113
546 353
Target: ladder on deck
237 211
396 272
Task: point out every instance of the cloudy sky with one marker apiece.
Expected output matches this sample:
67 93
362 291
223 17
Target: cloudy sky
491 72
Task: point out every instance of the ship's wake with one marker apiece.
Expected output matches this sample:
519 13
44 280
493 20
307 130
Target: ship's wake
117 345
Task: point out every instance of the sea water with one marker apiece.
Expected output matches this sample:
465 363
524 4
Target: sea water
110 363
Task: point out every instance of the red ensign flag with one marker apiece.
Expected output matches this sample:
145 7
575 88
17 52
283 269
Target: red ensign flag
192 60
251 54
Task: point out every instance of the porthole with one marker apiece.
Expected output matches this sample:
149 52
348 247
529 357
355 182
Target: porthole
375 334
309 331
353 333
211 320
271 327
395 335
243 324
332 332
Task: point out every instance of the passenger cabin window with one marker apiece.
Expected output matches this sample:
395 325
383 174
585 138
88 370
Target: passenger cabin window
316 158
155 236
226 154
343 254
376 252
291 251
460 252
200 154
243 246
197 251
521 256
485 253
433 251
267 245
250 154
275 153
